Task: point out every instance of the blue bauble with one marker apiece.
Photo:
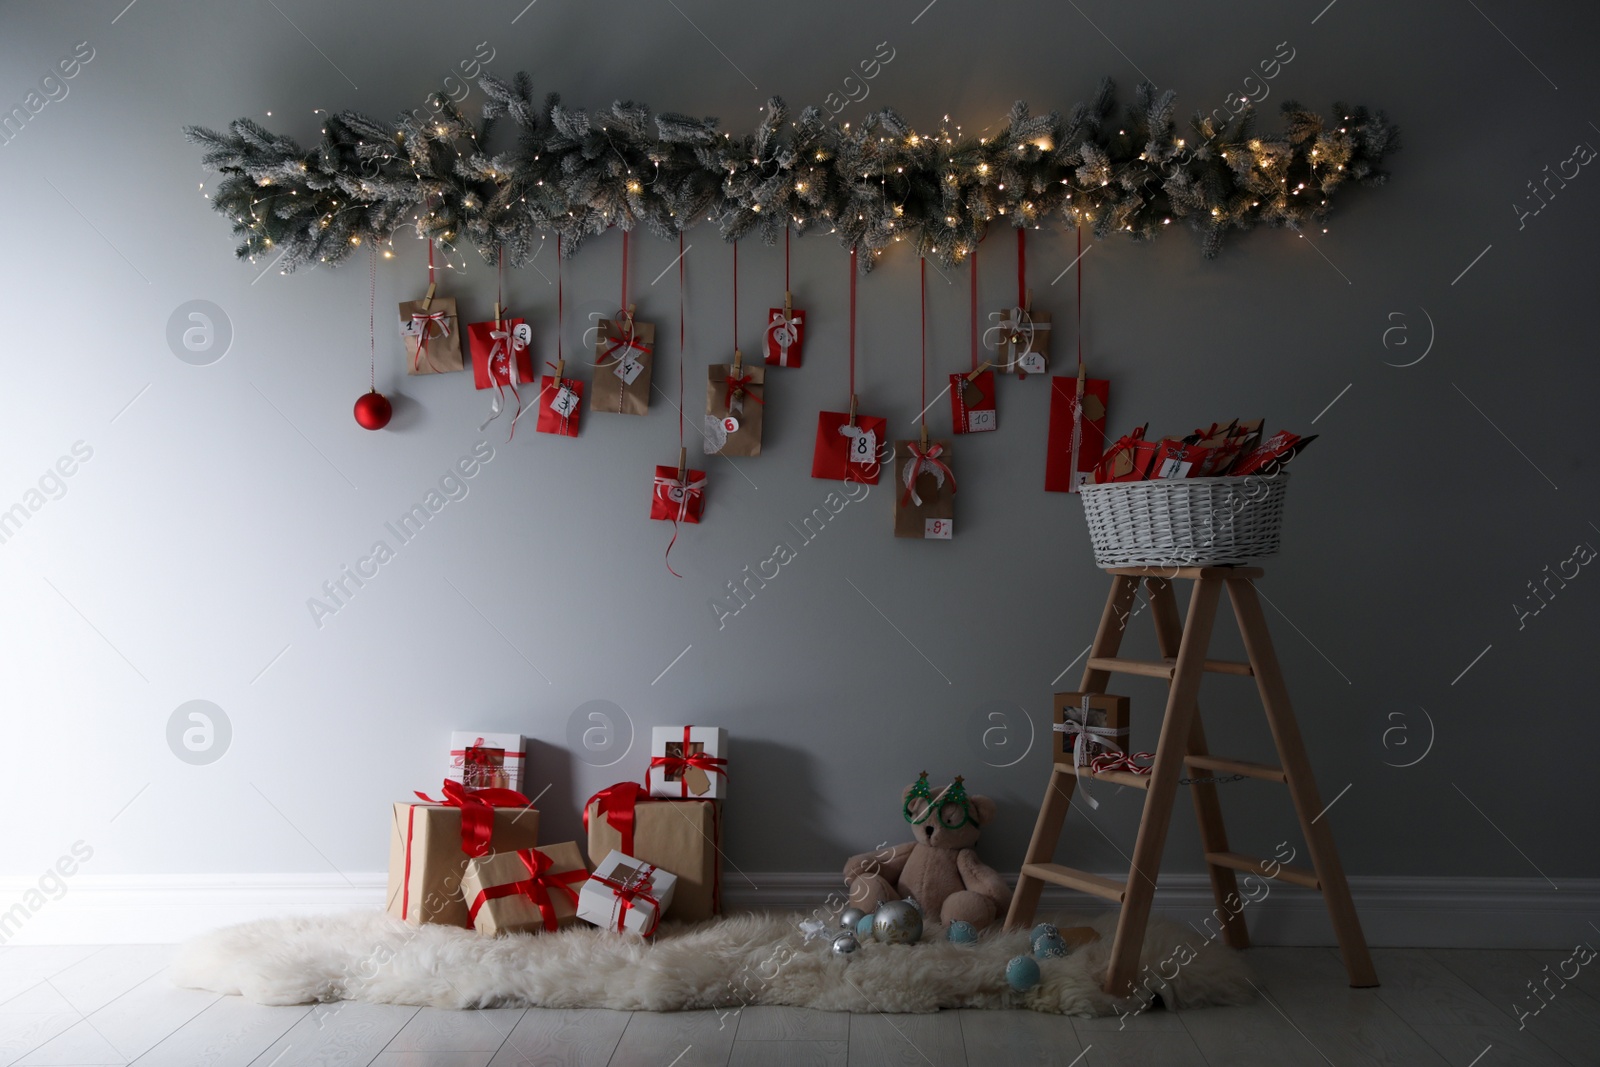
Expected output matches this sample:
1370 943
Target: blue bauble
1042 930
864 928
961 932
1022 973
1048 945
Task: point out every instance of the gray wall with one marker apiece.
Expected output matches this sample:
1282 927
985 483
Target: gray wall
178 562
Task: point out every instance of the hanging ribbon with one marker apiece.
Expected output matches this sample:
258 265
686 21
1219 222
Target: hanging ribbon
629 892
679 487
536 887
922 318
477 812
852 326
924 458
675 766
504 351
974 310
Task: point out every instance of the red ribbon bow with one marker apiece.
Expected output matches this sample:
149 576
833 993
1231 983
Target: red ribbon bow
924 459
628 893
680 764
536 887
737 387
477 812
422 322
616 803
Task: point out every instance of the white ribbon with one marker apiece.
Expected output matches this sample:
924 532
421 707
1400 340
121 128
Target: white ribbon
1015 326
671 490
784 333
503 353
1082 734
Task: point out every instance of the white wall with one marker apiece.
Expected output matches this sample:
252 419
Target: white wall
177 563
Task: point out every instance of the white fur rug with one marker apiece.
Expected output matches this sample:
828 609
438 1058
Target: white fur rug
746 959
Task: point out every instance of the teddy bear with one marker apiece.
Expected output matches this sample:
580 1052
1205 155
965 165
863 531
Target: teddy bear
938 866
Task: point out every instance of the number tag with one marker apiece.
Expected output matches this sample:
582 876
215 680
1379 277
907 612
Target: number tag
629 369
522 333
938 529
565 402
730 424
1032 363
1175 468
864 448
978 421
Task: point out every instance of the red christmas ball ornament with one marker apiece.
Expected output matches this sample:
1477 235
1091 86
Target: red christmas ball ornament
373 410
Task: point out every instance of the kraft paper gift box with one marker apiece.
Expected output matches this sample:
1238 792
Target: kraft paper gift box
487 761
1077 439
688 762
623 355
528 890
972 403
625 893
683 836
1024 342
1106 719
847 453
432 334
735 396
427 857
924 490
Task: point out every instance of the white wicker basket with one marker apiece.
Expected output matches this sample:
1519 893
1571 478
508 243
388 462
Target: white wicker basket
1185 521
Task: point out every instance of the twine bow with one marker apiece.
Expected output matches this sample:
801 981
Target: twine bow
673 767
422 323
628 892
925 459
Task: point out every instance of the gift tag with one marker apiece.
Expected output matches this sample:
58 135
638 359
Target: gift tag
1093 409
971 395
1175 468
938 529
1032 363
522 333
730 424
980 420
863 445
698 781
629 369
564 402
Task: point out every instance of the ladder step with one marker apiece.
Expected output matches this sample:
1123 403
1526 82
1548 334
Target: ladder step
1138 781
1164 668
1266 772
1072 878
1293 875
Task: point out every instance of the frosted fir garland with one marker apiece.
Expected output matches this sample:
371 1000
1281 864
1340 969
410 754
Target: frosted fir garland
873 185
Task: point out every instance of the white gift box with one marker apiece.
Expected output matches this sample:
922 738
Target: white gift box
702 777
625 893
487 761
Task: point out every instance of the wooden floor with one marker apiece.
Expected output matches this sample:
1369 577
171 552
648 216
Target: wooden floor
114 1005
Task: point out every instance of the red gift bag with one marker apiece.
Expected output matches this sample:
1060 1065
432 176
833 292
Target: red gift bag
675 501
495 347
560 404
1077 440
854 456
972 403
785 331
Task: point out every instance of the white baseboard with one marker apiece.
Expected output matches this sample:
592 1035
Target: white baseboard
1395 911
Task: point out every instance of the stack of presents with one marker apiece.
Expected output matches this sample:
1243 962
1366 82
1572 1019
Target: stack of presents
472 858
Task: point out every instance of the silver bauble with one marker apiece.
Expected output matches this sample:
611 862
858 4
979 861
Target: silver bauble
845 944
850 918
897 923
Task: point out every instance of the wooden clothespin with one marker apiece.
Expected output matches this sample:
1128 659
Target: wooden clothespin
852 409
979 369
683 466
1082 378
497 323
1027 300
561 369
924 436
738 364
788 308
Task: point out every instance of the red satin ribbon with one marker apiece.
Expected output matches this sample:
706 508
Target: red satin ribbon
709 764
627 893
738 387
536 887
617 805
477 812
921 458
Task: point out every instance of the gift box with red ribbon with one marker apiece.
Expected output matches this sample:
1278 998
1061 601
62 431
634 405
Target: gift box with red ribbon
486 760
1128 460
682 836
625 893
431 842
688 762
786 328
675 500
528 890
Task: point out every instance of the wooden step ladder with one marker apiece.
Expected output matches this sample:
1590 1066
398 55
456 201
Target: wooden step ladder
1182 744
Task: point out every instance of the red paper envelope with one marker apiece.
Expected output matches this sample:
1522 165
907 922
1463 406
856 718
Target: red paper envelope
560 404
495 347
848 457
972 403
675 501
1128 460
1175 459
784 335
1064 471
1278 450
